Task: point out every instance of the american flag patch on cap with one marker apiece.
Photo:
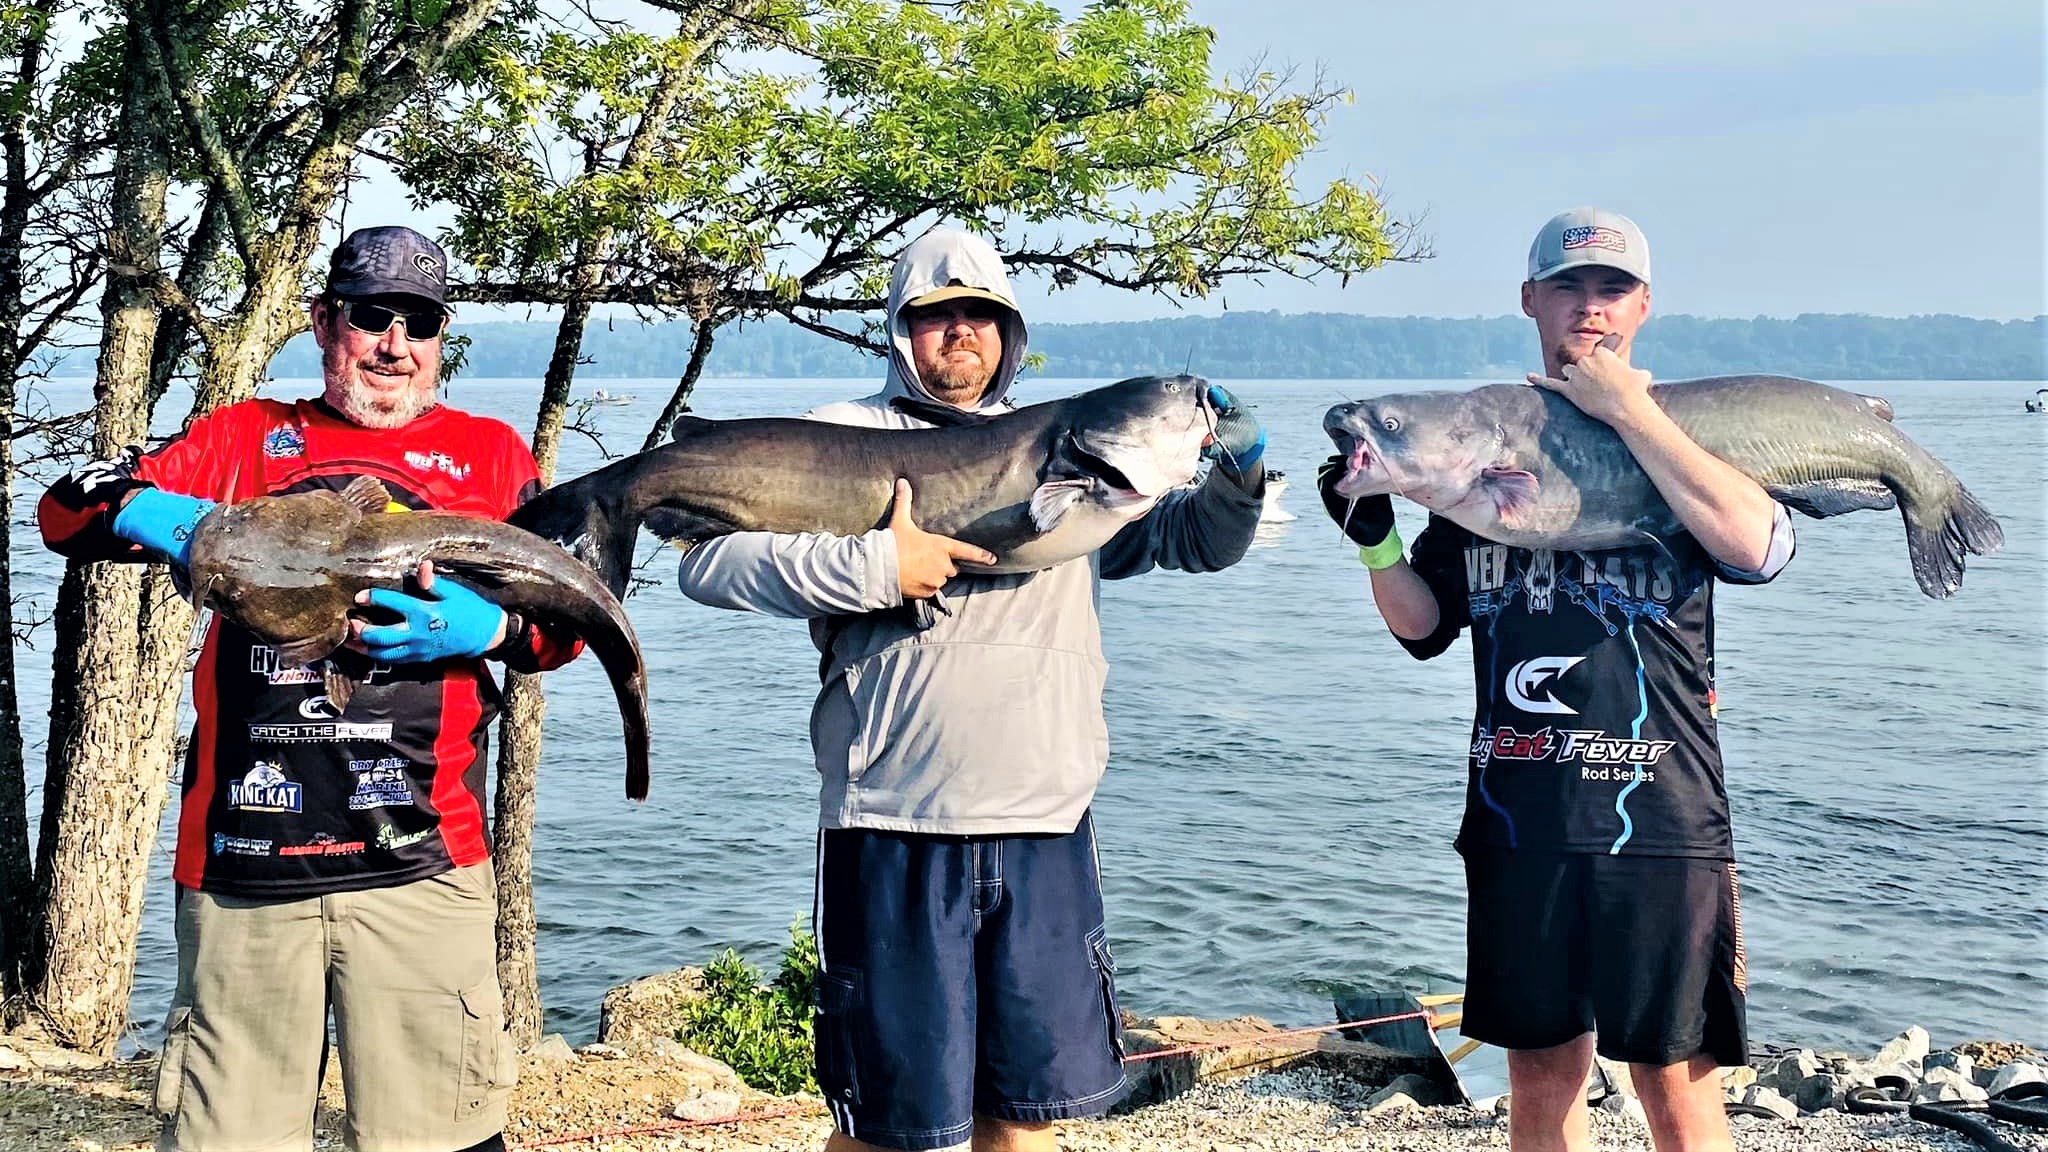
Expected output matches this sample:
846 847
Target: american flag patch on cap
1595 236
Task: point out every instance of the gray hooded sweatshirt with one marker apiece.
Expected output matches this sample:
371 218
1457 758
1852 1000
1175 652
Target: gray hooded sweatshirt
980 714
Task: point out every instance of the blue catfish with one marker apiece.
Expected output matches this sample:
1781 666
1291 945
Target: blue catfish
1523 466
1035 486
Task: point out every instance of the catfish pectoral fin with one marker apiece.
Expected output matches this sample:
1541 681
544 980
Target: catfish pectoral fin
340 688
313 649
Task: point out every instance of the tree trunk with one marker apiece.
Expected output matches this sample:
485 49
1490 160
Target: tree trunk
105 783
17 875
519 730
679 403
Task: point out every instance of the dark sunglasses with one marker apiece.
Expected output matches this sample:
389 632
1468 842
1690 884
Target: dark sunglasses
375 319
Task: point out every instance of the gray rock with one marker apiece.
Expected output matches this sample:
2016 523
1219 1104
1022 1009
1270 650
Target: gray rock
1420 1090
1911 1044
552 1049
648 1008
1387 1100
601 1052
714 1105
1792 1068
1737 1078
1863 1074
12 1061
65 1060
2015 1073
1939 1090
1766 1098
1625 1106
1958 1061
1822 1092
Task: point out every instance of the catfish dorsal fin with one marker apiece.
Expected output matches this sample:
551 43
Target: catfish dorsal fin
367 495
933 412
687 426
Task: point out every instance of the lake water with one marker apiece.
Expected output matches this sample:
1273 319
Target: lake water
1285 782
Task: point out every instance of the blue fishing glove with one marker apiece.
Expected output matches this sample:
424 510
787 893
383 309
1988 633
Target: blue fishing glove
161 522
1239 439
445 622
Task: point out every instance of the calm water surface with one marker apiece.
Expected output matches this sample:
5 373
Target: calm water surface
1285 782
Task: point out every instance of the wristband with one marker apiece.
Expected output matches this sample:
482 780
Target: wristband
1384 554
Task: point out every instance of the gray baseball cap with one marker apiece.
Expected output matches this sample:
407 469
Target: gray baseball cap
1585 236
389 259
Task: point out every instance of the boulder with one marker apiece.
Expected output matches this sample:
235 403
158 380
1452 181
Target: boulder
1912 1044
1625 1106
1771 1101
1822 1092
552 1049
1947 1088
1737 1078
1959 1061
649 1008
708 1106
2015 1073
1794 1067
1420 1089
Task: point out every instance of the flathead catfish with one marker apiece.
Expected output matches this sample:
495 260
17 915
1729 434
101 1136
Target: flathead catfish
288 568
1522 465
1036 486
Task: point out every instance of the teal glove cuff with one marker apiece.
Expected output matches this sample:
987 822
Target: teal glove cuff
161 521
1384 554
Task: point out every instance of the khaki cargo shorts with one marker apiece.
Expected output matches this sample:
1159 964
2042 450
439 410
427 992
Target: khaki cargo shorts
419 1020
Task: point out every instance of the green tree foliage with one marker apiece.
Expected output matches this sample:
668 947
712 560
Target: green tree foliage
761 1031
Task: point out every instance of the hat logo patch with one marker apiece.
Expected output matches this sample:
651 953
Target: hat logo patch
1595 236
426 264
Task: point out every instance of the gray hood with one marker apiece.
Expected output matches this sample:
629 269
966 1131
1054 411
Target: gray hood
937 259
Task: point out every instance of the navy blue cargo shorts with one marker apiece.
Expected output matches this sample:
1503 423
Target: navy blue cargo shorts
962 975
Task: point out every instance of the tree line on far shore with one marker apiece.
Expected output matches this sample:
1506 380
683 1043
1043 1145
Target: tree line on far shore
1313 346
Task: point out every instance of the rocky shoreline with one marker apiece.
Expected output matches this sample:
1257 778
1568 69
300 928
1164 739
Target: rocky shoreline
1248 1089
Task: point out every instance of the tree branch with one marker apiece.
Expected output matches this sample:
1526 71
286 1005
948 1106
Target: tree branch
161 51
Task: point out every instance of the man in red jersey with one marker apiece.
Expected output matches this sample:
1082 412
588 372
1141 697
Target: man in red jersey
336 856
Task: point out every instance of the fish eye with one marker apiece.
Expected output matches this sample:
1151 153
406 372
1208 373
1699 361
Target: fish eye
1390 423
1173 385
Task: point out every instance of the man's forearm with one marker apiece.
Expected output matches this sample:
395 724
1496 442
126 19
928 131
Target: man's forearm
1404 601
1726 511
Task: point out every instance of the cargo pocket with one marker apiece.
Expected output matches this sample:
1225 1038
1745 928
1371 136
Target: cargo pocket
488 1063
170 1071
832 1030
1105 973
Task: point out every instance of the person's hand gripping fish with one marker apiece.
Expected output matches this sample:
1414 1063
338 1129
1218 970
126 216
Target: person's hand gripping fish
925 560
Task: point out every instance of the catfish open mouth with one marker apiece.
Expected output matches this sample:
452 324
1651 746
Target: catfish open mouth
1356 456
1101 469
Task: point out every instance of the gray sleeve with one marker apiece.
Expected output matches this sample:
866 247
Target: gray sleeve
1776 555
803 575
1203 530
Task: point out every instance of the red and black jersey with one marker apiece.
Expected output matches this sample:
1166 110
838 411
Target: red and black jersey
283 795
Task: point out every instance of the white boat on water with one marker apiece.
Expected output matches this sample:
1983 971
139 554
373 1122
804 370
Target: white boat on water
2037 404
606 398
1272 512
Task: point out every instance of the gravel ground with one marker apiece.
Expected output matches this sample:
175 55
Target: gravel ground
1303 1110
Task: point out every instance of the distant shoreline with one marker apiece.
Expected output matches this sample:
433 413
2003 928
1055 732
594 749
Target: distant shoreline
1285 346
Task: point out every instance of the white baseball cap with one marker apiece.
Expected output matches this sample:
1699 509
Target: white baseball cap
1585 236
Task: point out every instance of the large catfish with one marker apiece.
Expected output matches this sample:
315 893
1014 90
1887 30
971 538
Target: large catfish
1523 466
288 568
1036 486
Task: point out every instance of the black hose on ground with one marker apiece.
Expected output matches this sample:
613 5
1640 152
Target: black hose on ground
1955 1117
2023 1104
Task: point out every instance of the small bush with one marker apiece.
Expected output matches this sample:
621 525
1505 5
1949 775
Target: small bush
763 1032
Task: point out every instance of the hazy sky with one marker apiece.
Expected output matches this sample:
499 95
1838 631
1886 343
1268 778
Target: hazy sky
1783 156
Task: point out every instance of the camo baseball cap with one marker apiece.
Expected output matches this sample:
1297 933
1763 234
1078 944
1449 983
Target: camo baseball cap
1585 236
389 260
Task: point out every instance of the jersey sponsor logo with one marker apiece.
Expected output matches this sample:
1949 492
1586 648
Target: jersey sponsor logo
1539 579
1529 684
1568 745
323 845
320 733
1486 567
380 783
391 840
264 662
318 708
284 442
265 789
103 472
225 845
438 461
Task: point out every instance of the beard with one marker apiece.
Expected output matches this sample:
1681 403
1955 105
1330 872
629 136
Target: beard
958 381
372 409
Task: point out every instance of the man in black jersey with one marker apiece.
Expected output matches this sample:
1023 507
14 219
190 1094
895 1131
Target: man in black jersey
1599 864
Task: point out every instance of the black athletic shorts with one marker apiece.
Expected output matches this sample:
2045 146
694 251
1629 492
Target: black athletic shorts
1643 951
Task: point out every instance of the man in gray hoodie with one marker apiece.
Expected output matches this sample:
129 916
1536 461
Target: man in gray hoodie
966 988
